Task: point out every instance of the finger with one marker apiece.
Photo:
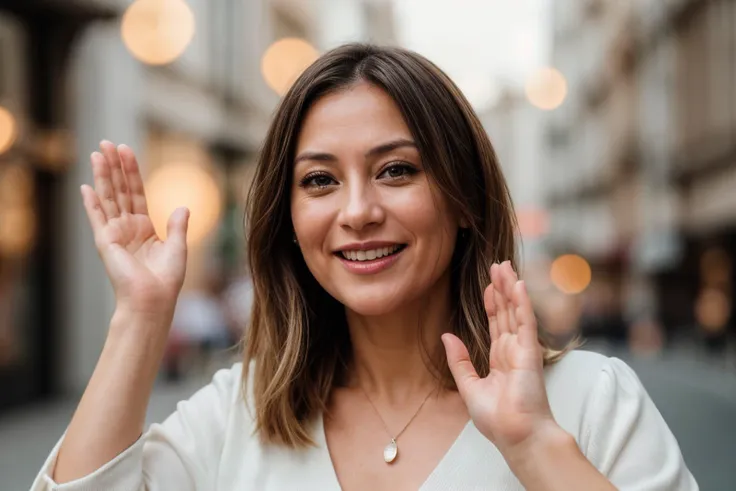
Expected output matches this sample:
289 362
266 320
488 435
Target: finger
502 315
93 207
493 327
507 344
120 186
499 300
495 345
458 360
488 300
133 177
509 280
176 228
103 185
524 313
490 311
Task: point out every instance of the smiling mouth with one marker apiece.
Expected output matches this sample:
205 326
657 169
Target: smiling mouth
371 254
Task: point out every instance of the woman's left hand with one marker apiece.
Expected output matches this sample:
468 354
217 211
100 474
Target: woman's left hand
510 405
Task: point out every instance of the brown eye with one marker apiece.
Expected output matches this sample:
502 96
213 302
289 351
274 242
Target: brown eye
398 171
317 180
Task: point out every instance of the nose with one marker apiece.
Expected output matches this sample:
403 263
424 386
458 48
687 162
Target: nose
361 207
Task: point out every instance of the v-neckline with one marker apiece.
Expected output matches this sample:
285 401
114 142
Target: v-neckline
330 466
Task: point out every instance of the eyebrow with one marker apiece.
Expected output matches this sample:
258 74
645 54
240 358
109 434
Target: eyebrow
373 152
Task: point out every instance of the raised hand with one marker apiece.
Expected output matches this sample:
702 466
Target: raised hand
146 272
510 405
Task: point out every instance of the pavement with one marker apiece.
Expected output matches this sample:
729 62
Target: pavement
697 397
695 394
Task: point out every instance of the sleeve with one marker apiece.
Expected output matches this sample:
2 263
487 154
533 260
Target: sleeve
626 438
180 454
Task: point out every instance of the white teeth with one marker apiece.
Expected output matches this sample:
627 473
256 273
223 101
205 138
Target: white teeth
369 255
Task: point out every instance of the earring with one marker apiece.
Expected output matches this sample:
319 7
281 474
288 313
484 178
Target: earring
294 240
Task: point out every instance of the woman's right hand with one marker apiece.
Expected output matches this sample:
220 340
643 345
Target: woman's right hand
146 272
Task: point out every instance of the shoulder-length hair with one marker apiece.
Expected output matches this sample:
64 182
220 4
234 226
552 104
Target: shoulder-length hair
297 345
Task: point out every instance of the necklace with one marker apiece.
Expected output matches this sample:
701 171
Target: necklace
391 451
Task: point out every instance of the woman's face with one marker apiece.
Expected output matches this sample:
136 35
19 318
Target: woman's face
373 230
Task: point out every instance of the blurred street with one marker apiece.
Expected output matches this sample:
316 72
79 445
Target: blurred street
696 397
614 122
27 436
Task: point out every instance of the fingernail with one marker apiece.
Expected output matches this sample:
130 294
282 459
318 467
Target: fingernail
523 285
105 142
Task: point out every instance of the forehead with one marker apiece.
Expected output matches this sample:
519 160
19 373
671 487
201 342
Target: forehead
361 115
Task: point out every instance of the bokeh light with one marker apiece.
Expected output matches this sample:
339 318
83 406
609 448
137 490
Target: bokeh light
715 267
570 273
16 186
284 61
17 218
157 32
178 184
17 230
482 92
533 222
8 130
712 309
546 89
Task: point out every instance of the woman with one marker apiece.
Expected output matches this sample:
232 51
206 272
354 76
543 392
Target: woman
391 345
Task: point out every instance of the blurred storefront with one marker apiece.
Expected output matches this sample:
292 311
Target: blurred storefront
686 63
703 166
642 160
36 42
69 81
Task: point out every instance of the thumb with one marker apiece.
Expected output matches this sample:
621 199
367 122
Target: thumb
458 359
176 229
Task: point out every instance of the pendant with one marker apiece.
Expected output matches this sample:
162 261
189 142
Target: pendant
390 451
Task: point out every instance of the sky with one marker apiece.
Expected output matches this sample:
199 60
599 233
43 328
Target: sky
483 45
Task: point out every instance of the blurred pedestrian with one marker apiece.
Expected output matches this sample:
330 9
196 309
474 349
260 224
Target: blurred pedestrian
238 299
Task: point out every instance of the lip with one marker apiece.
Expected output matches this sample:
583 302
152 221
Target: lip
374 265
366 246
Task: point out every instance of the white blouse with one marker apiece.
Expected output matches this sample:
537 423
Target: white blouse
208 443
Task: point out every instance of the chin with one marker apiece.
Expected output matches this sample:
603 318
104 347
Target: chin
371 304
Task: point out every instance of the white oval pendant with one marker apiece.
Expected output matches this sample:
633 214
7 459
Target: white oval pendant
390 452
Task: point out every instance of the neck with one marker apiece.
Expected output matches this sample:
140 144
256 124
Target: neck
393 353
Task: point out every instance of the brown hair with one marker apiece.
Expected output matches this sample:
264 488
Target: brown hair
298 337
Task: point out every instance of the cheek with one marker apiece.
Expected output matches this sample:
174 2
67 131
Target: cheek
423 213
312 221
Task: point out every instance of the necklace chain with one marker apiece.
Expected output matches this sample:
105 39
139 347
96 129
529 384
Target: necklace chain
385 426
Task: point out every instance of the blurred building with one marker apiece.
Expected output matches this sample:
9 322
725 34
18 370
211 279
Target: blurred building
516 129
72 76
36 42
641 157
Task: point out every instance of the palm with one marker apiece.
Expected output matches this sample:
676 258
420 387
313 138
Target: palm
508 405
145 271
135 247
